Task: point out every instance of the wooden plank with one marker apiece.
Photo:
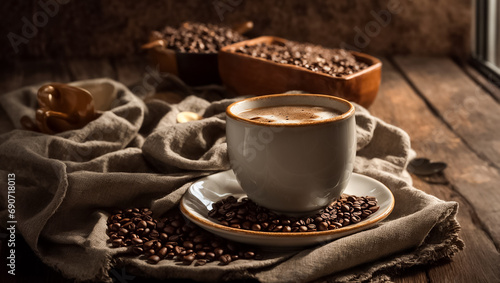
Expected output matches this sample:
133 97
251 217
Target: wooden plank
478 246
489 84
411 276
398 104
473 175
466 108
83 69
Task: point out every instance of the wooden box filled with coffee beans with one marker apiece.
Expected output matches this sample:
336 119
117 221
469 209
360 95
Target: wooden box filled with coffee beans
267 65
190 51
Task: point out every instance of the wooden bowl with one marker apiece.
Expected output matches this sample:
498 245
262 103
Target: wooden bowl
194 69
247 75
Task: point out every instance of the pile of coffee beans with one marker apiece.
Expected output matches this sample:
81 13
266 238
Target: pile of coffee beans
334 62
171 238
198 37
245 214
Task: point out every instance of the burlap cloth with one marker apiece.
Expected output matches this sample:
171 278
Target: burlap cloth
137 155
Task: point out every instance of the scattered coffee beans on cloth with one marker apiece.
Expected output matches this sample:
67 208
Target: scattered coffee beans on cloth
334 62
245 214
171 238
198 37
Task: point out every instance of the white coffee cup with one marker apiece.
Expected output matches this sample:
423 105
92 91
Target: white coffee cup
293 167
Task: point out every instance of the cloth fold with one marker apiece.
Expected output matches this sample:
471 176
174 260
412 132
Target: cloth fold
136 155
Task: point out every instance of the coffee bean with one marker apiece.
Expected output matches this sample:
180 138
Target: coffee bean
355 219
117 242
262 217
178 250
210 255
154 234
323 226
175 224
137 241
169 229
218 252
188 259
225 259
137 250
174 238
163 237
188 245
162 252
256 227
149 244
200 262
199 239
154 259
249 255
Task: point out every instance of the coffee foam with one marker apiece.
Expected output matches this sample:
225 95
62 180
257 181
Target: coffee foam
292 114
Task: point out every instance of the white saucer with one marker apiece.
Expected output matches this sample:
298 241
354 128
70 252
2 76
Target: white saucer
200 196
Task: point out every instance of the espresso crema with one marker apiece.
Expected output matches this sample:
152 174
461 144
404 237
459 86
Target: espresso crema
289 114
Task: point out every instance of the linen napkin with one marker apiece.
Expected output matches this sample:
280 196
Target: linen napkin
136 154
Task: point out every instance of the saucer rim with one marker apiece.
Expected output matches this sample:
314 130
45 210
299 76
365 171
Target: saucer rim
362 224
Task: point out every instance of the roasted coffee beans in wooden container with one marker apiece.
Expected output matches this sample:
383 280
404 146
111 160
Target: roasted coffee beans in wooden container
269 65
334 62
191 50
197 37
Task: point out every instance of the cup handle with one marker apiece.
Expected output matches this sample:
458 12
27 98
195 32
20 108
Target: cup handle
54 114
48 114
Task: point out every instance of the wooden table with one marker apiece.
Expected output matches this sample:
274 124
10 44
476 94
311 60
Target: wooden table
451 113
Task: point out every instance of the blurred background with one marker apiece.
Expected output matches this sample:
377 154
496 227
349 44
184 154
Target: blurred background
116 28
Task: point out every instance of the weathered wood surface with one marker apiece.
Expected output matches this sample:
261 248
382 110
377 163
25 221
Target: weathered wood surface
407 99
460 103
488 83
398 103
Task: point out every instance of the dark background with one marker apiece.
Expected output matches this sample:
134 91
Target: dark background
117 28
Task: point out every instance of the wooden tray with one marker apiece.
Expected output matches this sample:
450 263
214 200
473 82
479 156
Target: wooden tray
194 69
247 75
